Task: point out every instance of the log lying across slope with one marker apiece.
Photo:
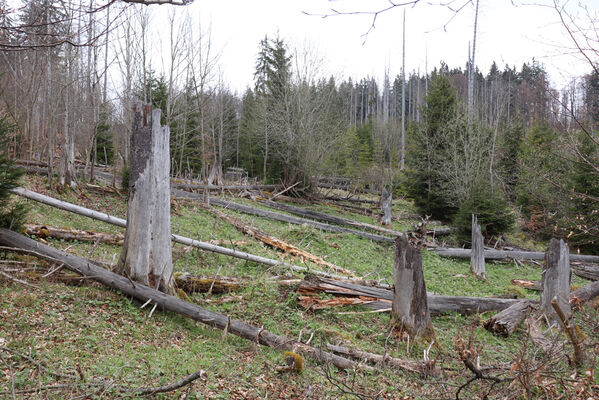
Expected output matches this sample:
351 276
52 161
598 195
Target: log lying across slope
232 188
378 298
144 293
282 217
44 231
510 254
100 216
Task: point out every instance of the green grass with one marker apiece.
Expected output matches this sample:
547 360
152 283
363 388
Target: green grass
107 336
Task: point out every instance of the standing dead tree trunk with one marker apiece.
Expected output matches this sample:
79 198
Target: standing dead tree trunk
386 202
409 311
477 257
147 252
555 281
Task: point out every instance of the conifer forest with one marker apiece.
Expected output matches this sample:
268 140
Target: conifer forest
427 234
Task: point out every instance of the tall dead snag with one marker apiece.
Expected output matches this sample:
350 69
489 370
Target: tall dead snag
477 257
147 251
555 280
386 203
409 310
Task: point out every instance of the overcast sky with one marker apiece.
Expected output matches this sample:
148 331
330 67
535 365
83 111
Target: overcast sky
507 34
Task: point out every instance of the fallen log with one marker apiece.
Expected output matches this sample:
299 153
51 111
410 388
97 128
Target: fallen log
144 293
303 212
586 271
232 188
510 254
276 243
418 367
531 285
379 298
100 216
349 199
204 284
505 322
293 220
45 231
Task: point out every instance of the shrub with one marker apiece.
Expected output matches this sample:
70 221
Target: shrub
125 177
11 215
493 212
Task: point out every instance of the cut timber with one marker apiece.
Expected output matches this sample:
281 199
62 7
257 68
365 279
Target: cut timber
45 231
144 293
477 256
386 202
100 216
505 322
419 367
555 280
276 243
584 294
203 284
510 254
531 285
410 307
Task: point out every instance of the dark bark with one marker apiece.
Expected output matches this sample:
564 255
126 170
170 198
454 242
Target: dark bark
505 322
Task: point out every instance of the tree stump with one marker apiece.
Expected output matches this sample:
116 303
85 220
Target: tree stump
147 255
555 280
386 203
477 256
409 312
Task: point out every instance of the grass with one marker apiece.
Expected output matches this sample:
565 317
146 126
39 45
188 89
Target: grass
94 333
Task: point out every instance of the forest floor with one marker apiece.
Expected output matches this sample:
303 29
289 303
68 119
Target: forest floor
62 337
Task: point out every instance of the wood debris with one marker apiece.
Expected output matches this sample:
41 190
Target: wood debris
45 231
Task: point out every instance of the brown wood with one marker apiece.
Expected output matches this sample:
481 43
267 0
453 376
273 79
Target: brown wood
531 285
45 231
204 284
555 280
477 257
419 367
505 322
171 303
570 328
410 311
276 243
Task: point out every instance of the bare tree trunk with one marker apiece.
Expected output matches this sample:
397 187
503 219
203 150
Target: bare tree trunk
555 281
410 311
477 257
386 202
146 255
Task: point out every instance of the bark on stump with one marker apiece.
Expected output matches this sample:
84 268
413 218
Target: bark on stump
386 203
477 257
555 280
409 311
147 251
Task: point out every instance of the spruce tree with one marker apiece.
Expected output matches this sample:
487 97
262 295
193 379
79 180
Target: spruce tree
11 215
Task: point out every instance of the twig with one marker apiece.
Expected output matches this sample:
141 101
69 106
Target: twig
22 282
12 377
173 386
579 353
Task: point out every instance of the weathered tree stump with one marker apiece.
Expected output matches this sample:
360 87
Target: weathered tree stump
147 251
386 203
477 257
409 311
555 280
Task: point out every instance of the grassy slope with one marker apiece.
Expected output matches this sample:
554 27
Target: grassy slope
109 337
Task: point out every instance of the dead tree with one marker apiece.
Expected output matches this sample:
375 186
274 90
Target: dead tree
386 202
409 311
477 257
147 251
555 280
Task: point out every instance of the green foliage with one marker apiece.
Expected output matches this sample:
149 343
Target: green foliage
509 154
125 173
424 181
11 215
104 140
492 211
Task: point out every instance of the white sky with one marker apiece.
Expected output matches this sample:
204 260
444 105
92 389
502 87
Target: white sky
507 34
